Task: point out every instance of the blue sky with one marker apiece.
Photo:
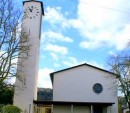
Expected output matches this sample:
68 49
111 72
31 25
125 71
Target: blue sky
81 31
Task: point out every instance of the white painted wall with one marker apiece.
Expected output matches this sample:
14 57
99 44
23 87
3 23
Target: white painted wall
81 109
26 92
61 109
67 109
76 85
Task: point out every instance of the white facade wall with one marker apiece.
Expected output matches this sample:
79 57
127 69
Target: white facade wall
61 109
26 91
81 109
68 109
76 85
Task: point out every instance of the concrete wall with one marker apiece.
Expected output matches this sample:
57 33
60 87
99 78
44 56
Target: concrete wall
81 109
61 109
26 91
67 109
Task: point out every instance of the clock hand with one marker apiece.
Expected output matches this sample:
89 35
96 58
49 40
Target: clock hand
30 9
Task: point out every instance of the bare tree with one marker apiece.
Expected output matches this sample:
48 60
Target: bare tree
120 65
13 42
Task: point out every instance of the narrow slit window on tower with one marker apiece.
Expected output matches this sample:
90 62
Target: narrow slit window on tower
29 31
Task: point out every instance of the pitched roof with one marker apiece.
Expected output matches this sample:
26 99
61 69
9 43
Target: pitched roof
85 64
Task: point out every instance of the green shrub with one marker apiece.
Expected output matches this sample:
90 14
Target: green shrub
11 109
6 96
1 106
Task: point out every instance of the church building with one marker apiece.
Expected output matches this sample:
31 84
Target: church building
81 89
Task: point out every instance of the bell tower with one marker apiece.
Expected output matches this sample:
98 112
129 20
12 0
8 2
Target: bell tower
27 92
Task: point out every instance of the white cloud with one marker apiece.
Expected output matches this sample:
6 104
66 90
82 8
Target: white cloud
75 23
56 17
118 40
94 63
53 15
11 80
56 65
122 38
44 78
56 49
111 53
101 13
54 56
87 44
103 26
100 23
72 61
52 36
2 53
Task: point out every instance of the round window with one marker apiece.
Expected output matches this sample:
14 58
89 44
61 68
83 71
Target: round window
97 88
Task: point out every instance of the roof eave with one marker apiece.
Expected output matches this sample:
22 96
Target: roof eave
72 103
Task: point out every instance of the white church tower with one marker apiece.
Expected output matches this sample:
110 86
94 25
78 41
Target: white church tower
26 92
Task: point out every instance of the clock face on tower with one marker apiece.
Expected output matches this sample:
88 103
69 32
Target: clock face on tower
31 12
